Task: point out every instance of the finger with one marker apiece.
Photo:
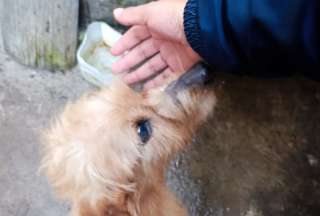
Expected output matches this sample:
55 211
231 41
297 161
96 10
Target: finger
158 80
130 39
141 52
152 66
137 15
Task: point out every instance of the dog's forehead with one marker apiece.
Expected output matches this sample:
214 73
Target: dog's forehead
116 105
121 104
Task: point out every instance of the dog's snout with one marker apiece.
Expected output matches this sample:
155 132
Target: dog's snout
196 76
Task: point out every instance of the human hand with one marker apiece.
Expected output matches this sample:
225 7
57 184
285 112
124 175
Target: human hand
157 36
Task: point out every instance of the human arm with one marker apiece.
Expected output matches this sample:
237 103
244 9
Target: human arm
265 37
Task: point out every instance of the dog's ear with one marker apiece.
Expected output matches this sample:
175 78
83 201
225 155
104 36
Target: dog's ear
198 104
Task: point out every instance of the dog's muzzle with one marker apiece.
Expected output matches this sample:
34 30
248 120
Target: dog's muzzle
197 76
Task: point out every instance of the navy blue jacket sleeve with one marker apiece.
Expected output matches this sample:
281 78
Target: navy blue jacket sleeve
264 37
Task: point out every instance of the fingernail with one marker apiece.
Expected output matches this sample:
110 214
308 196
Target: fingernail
117 12
113 51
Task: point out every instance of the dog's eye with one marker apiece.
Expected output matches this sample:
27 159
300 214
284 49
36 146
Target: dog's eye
144 130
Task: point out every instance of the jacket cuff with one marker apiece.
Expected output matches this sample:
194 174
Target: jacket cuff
191 25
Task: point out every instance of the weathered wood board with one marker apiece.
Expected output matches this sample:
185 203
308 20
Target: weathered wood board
41 33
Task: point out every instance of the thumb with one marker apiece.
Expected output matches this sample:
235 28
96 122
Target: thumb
132 15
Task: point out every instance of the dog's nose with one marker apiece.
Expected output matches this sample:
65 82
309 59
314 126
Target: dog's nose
196 76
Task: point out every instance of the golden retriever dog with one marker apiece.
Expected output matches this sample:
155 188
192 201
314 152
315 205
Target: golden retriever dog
107 153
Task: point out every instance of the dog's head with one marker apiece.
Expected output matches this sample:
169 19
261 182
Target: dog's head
107 141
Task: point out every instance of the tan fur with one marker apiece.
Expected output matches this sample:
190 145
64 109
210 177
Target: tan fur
94 160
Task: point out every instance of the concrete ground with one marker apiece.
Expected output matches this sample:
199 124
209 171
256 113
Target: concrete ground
258 156
28 99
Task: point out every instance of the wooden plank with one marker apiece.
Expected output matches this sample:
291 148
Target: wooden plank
41 33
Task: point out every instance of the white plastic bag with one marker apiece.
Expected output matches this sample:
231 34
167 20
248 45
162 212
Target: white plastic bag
94 57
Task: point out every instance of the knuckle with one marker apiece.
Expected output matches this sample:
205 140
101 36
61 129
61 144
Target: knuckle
164 76
136 77
141 52
138 33
124 45
152 66
158 80
151 83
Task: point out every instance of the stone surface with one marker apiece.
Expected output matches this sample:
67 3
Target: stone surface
28 99
93 10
